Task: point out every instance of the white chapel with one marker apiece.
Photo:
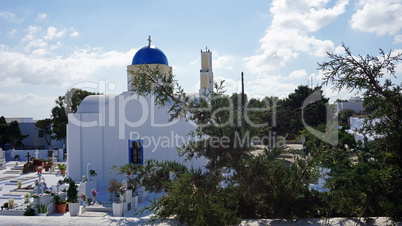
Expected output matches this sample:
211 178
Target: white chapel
119 129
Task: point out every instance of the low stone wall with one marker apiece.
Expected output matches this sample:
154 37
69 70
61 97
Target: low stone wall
47 199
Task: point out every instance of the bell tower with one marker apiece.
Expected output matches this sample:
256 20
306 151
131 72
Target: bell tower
206 74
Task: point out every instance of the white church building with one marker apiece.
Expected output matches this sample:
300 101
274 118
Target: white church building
110 130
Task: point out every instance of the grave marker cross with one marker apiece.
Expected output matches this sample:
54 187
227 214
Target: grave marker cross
28 155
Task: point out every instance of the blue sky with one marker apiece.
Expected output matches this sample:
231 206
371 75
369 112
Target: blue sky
48 47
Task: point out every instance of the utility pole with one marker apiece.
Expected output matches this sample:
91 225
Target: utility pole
242 93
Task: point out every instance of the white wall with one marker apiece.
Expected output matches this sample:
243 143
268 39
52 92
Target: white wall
121 119
356 106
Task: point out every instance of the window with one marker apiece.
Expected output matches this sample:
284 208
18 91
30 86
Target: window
136 152
41 133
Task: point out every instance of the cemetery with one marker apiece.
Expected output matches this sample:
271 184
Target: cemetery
42 193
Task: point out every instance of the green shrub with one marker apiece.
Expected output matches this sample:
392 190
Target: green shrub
29 212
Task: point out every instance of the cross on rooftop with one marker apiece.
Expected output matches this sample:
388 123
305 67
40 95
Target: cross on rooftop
149 40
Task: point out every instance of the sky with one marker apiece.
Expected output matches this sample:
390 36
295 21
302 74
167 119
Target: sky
48 47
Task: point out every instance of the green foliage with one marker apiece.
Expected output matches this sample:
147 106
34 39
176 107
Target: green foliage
344 117
269 189
62 166
192 196
59 118
3 129
45 126
58 199
197 199
225 130
371 185
72 192
290 122
29 211
92 173
64 105
14 135
42 208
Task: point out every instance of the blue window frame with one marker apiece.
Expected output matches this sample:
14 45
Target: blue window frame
135 152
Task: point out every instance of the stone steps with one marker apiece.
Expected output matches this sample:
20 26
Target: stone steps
96 211
13 172
94 214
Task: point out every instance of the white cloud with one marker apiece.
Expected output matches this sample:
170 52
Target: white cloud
304 15
270 85
298 74
398 39
41 16
74 34
52 33
42 67
231 86
221 61
8 16
31 32
13 102
12 32
287 36
380 17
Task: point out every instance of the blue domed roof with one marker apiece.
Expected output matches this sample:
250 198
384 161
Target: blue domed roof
150 55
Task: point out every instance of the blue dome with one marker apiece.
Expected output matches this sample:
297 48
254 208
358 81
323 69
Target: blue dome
150 55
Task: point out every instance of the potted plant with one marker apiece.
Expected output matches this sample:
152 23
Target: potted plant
84 199
113 187
37 163
92 173
72 198
42 210
94 194
122 191
47 167
36 198
39 169
118 209
62 168
19 184
60 205
17 157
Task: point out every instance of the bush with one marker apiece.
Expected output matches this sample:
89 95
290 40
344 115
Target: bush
42 208
29 212
72 192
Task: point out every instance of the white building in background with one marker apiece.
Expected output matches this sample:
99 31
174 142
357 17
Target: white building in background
357 124
355 104
36 138
110 130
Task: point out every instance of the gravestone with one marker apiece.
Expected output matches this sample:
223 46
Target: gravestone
2 159
28 155
54 159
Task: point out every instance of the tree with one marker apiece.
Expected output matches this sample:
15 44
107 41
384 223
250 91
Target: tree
290 109
59 119
344 116
45 127
225 130
3 129
372 185
66 104
14 135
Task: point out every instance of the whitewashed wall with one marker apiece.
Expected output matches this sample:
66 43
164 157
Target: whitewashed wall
106 144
